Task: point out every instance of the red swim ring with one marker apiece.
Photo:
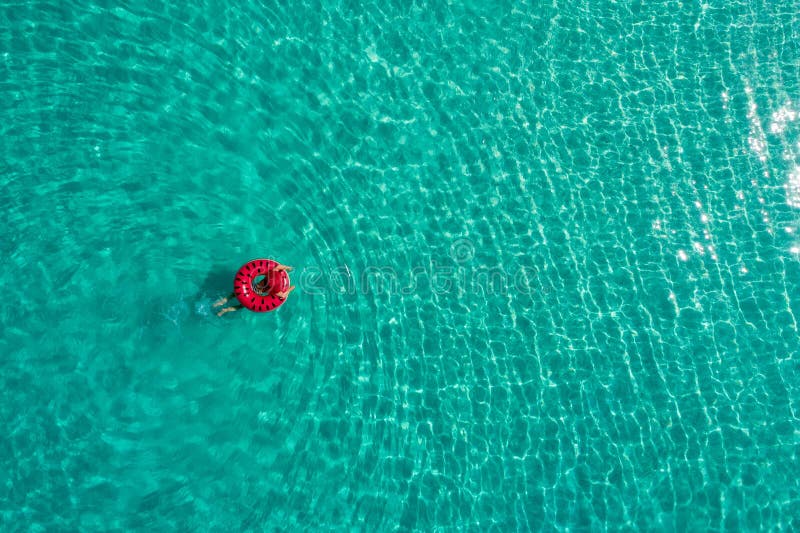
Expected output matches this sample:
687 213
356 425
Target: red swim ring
244 285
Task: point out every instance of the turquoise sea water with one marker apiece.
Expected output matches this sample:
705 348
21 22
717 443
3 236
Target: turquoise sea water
547 258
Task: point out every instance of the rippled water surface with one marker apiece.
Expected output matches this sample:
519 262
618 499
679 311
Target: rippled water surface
547 259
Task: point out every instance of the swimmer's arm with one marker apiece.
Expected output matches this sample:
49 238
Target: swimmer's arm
283 294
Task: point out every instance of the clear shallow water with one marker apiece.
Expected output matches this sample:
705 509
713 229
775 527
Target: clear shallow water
629 172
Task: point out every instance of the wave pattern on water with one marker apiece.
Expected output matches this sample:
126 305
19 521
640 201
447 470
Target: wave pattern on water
629 173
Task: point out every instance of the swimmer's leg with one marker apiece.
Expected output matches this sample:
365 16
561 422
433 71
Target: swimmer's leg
229 309
223 300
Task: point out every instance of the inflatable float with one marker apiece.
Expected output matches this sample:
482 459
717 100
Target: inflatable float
245 286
